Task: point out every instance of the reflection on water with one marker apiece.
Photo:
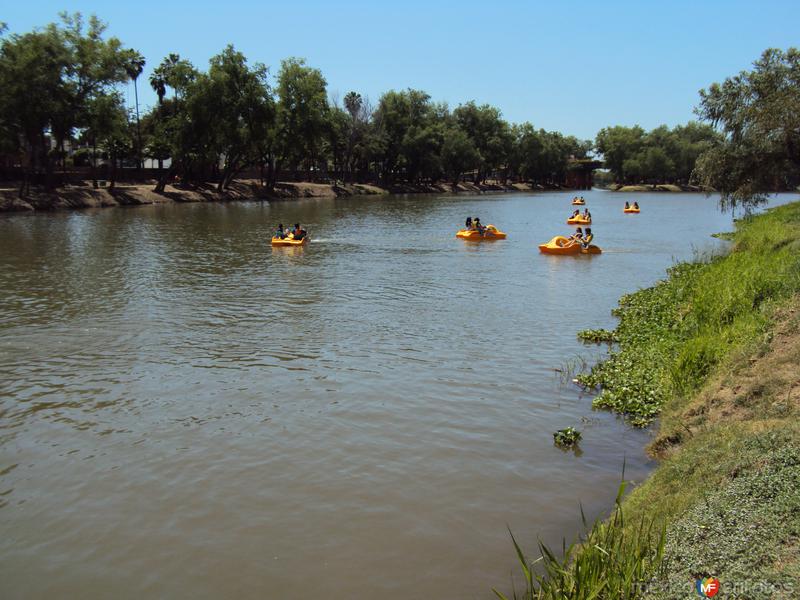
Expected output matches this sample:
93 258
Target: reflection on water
186 411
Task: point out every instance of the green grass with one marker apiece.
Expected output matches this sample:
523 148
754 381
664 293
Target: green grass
673 335
610 561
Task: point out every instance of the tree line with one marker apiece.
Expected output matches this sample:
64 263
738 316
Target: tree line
662 155
60 88
59 85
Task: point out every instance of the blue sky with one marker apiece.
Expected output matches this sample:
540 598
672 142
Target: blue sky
569 66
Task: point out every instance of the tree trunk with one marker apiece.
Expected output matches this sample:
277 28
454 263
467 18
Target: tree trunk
162 180
94 166
113 173
138 128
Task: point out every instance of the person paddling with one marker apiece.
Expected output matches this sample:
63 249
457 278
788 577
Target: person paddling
587 239
280 233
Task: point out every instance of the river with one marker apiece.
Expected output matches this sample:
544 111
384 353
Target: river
186 412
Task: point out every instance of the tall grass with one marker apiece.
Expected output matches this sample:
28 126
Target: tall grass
611 561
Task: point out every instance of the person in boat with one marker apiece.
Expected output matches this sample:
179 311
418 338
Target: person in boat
575 237
298 233
577 213
280 233
478 226
587 214
627 206
587 239
636 205
468 223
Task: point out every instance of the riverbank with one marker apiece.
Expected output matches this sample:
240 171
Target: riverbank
85 196
713 351
660 187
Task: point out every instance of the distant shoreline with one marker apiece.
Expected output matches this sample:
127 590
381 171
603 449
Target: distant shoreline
76 197
658 187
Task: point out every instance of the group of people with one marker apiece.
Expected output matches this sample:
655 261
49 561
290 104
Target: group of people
298 233
474 225
586 214
635 205
579 237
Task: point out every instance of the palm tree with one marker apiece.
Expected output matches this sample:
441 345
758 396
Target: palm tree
134 65
353 103
159 84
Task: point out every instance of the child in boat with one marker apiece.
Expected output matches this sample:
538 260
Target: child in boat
280 233
587 239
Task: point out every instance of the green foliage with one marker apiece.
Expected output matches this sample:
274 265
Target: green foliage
662 155
567 437
542 156
610 562
53 81
598 336
758 112
303 112
458 154
674 334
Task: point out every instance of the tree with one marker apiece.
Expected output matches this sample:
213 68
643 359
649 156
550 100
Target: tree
458 154
48 78
302 112
617 144
758 113
490 135
242 111
397 113
106 128
134 65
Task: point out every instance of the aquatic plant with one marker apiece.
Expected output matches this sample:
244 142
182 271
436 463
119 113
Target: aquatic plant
567 437
597 336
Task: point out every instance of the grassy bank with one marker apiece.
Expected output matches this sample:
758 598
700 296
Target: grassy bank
714 351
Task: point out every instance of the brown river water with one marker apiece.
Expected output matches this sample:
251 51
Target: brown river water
186 412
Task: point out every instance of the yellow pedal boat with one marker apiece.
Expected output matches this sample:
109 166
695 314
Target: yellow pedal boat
563 245
578 202
579 221
490 233
287 241
631 210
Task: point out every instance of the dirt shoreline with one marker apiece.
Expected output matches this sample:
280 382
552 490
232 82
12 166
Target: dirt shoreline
85 196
